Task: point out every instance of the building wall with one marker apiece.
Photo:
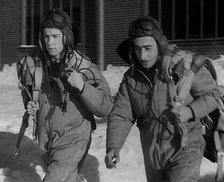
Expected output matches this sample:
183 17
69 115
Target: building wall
89 26
118 14
10 31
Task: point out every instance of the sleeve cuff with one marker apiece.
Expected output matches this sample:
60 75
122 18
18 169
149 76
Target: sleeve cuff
193 114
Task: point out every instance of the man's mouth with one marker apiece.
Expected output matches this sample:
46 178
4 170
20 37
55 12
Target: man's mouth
144 62
51 49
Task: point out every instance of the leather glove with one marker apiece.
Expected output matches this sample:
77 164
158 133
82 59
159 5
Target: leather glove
32 107
112 158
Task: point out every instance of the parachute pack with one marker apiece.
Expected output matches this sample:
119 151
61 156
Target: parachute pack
213 123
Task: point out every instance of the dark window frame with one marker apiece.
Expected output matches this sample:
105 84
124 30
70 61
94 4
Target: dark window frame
189 20
32 11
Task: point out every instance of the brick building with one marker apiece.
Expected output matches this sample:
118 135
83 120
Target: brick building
194 25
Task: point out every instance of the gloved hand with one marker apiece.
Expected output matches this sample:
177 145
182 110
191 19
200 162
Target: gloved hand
32 107
112 158
182 113
75 80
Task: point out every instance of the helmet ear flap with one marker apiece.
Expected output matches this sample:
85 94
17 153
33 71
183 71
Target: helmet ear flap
76 34
123 50
64 39
42 43
132 54
126 51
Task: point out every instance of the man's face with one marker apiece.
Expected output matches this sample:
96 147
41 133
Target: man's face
146 51
53 39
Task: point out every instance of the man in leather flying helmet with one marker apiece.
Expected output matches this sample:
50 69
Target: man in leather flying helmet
72 91
170 127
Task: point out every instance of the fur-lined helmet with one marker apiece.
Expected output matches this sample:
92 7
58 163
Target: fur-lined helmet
58 19
148 26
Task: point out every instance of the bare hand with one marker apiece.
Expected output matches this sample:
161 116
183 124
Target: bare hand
182 113
32 107
75 80
112 158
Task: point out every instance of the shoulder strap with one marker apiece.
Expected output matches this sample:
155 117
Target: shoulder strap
169 61
192 64
166 63
32 68
21 67
38 77
184 85
172 57
30 72
178 93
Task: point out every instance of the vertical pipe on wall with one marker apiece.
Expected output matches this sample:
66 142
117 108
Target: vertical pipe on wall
32 22
173 19
187 19
60 4
23 24
83 25
145 7
71 9
41 12
216 18
101 35
202 18
51 4
41 8
160 11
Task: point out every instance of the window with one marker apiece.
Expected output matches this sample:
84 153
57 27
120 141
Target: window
189 19
32 11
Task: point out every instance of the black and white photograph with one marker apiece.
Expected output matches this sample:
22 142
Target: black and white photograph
111 91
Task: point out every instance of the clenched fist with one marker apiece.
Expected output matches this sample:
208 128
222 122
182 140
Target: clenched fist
32 107
112 158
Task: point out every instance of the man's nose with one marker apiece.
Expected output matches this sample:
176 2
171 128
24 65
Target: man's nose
143 54
50 41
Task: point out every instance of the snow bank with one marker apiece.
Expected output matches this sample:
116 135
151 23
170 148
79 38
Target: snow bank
114 75
8 75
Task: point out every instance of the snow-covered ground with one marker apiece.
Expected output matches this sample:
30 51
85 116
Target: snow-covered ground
27 166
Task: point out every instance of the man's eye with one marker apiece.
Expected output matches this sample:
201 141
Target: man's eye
55 36
137 48
148 48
